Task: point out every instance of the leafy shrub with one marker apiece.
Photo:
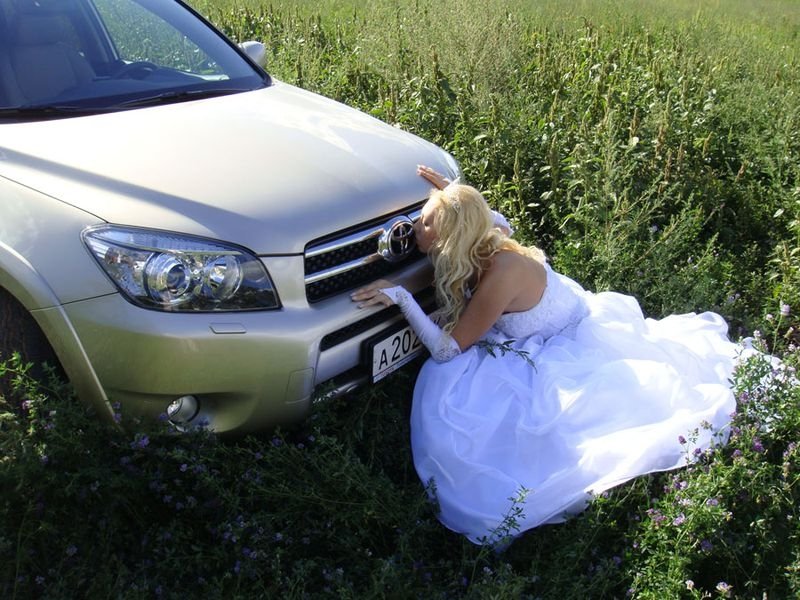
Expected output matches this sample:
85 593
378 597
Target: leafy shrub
621 141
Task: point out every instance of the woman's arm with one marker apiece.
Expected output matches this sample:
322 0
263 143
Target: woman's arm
438 180
440 344
506 283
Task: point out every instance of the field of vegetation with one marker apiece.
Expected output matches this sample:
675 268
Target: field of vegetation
648 147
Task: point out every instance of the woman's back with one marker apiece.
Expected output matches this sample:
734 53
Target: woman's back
560 307
522 272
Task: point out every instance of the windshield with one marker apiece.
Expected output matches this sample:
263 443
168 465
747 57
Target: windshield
92 55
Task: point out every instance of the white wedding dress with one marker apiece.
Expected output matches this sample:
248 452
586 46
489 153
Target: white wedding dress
610 395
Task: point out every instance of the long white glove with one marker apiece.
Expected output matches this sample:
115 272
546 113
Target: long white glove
501 221
440 344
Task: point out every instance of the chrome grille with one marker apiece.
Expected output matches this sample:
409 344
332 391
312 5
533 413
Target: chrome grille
351 258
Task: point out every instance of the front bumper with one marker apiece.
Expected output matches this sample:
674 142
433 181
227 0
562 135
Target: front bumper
249 370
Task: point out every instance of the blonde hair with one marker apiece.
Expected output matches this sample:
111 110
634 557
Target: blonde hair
466 241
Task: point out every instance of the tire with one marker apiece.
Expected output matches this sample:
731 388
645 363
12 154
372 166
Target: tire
19 332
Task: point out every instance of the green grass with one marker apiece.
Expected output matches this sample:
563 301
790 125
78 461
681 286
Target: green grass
649 147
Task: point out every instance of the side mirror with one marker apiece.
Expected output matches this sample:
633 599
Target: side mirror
255 50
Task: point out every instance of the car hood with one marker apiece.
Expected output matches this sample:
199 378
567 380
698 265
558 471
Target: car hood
269 169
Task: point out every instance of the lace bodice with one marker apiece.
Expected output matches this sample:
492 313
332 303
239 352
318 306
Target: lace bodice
560 309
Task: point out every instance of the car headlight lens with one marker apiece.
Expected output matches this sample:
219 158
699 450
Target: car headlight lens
169 271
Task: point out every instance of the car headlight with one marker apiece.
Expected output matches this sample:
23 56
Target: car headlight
170 271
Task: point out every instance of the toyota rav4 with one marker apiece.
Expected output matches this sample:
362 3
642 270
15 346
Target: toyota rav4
180 231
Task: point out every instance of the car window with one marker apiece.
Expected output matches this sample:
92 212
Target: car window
66 56
140 35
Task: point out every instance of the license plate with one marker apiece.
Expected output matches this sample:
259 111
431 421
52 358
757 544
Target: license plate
393 351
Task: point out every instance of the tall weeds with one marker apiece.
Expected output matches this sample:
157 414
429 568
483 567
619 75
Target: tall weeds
648 149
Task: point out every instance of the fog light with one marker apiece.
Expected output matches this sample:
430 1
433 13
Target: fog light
183 409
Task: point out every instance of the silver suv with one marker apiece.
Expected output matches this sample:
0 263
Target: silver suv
180 230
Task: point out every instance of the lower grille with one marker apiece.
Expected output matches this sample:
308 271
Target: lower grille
426 299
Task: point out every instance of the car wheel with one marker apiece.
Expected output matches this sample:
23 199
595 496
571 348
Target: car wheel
19 332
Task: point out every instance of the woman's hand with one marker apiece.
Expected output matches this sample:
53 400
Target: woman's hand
371 294
436 178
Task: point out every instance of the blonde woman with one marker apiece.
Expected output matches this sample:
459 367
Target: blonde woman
539 393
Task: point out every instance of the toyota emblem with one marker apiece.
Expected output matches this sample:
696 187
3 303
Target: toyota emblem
397 240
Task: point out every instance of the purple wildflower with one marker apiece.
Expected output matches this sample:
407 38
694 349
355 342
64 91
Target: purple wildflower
786 310
681 440
757 445
679 520
655 515
140 441
706 546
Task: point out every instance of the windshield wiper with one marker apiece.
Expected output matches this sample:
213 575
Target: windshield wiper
69 110
173 96
48 111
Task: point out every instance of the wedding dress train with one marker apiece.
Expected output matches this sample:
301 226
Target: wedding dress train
568 399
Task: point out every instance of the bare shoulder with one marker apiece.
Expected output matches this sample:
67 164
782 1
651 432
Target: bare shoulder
523 276
508 261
